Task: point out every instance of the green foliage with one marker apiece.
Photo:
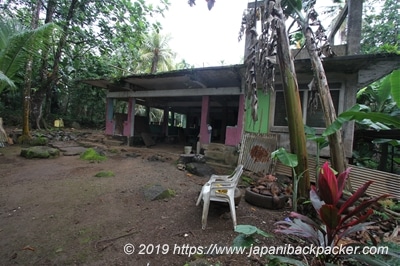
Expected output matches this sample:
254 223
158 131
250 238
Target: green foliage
382 95
378 98
105 174
247 234
92 155
289 159
380 32
293 7
286 158
320 141
393 257
247 180
87 106
394 80
39 141
361 113
168 193
155 54
102 40
16 44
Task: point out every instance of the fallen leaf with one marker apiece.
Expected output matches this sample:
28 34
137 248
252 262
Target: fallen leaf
28 248
59 250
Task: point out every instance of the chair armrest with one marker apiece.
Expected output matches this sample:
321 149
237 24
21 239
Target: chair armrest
214 178
221 184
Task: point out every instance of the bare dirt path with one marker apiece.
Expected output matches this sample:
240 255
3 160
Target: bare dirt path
56 212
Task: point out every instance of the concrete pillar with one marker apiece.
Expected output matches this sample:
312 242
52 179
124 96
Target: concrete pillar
165 122
129 124
110 123
204 138
131 118
354 26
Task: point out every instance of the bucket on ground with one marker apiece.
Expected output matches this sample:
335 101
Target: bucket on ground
187 149
58 123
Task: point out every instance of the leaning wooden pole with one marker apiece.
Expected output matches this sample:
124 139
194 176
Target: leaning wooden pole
336 147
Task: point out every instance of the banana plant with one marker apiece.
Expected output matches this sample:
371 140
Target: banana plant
362 113
394 83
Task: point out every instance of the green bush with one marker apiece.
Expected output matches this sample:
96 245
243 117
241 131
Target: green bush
105 174
92 155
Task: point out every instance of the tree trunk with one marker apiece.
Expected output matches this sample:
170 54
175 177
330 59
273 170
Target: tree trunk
154 63
293 109
36 107
293 105
338 158
26 135
48 80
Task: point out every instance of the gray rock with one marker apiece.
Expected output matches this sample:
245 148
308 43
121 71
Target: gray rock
200 169
76 125
157 192
39 152
73 151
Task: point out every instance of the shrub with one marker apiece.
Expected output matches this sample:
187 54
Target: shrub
337 219
105 174
92 155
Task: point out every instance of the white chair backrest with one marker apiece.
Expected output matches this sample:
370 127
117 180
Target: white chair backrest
236 174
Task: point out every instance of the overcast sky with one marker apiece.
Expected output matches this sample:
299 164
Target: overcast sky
206 38
203 37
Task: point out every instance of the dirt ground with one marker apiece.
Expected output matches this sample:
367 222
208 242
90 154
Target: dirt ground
56 212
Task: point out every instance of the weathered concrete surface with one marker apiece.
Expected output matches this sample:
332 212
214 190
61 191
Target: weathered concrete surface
221 153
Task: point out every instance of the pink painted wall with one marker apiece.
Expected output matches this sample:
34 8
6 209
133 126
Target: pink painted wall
204 138
233 135
127 124
110 123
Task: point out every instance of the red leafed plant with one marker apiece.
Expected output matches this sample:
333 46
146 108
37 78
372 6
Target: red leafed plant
338 218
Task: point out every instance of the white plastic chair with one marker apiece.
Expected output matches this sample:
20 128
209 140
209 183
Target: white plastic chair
220 188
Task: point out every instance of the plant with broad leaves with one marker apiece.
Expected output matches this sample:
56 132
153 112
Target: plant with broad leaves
290 160
338 217
246 235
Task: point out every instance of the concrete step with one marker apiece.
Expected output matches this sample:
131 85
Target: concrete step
97 139
113 142
89 144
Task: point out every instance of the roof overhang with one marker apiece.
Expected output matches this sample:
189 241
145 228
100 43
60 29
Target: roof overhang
227 80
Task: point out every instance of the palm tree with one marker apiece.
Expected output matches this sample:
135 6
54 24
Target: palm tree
18 45
156 54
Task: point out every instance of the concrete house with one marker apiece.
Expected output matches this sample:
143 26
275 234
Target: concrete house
209 105
208 108
192 100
